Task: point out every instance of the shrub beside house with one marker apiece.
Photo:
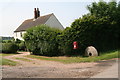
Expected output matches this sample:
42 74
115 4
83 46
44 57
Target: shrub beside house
42 40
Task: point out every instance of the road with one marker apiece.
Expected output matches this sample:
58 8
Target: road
50 69
111 72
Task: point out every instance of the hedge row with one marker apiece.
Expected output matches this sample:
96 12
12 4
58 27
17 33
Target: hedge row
42 40
91 31
9 48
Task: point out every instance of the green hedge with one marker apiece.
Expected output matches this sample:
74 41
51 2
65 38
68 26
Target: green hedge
90 31
22 46
94 29
9 48
42 40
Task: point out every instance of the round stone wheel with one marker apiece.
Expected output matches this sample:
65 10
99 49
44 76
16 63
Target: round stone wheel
91 51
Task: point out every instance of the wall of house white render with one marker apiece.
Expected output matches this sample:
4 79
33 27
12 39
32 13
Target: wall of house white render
18 36
53 22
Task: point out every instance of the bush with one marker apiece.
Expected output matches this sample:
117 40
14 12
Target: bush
17 41
66 40
9 48
6 41
22 46
42 40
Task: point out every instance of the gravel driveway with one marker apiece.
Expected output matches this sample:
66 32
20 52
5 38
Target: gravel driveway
51 69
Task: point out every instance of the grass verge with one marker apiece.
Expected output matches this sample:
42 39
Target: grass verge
23 59
5 54
104 56
4 61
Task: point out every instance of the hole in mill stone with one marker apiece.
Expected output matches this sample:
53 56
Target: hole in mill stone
90 54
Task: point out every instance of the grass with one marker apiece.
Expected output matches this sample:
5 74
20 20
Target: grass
5 54
23 59
104 56
4 61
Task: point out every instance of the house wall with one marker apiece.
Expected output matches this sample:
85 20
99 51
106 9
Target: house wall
53 22
19 35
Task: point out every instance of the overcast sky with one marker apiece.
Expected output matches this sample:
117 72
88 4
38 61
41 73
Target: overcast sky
14 12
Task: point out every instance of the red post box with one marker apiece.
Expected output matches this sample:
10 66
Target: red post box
75 45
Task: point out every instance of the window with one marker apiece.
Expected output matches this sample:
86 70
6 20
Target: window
21 34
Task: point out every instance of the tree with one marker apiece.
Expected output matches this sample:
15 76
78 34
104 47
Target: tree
102 8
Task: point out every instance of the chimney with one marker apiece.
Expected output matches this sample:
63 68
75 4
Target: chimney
38 13
35 13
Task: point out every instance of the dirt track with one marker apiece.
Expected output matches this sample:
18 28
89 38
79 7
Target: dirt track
51 69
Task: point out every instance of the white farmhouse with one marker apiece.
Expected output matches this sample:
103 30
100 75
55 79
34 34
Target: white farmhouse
49 20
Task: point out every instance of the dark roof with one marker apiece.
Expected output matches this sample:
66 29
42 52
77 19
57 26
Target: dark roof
31 22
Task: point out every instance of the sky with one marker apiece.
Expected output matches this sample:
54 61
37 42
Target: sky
14 12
